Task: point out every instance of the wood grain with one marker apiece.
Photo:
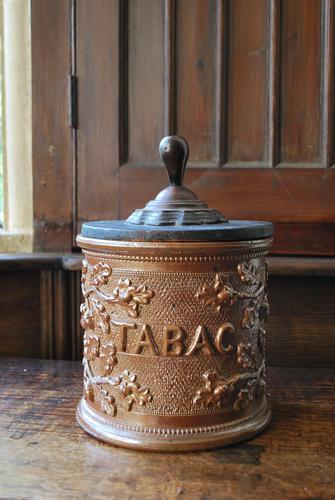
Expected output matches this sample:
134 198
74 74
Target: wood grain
59 302
303 210
305 239
98 114
143 81
196 76
249 95
45 454
40 311
300 63
52 136
20 333
35 260
247 99
327 90
301 266
301 322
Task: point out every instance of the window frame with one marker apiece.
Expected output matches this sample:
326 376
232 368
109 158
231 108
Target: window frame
17 232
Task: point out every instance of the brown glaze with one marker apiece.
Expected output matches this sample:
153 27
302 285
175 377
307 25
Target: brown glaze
174 342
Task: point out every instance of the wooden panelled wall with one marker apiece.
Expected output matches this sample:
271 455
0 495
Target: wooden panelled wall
39 302
249 83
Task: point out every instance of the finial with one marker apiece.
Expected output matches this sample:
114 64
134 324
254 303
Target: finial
173 150
175 205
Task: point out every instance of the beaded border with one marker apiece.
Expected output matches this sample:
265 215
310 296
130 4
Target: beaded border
184 259
85 408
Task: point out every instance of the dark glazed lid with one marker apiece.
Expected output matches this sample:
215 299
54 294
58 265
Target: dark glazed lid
176 214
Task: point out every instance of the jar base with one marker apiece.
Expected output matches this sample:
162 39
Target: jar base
150 438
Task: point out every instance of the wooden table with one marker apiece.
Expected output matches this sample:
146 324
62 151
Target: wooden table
45 454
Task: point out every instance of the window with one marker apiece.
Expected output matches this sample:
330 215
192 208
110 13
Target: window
1 137
16 168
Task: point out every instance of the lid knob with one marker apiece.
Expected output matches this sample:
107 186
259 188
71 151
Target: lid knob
173 151
175 205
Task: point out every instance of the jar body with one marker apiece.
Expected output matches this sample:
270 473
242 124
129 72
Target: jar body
174 343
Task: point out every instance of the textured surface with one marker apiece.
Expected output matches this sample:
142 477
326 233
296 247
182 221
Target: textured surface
177 341
45 455
226 231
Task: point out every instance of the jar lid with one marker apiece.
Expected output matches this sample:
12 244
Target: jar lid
176 214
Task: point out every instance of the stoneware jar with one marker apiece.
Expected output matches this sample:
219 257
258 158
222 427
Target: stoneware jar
175 300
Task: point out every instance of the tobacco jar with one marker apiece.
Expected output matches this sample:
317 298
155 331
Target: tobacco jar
175 302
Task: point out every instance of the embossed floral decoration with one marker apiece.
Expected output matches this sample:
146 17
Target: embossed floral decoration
252 293
131 390
214 392
95 318
106 401
94 315
93 312
218 295
107 354
125 384
240 389
222 294
130 297
91 347
257 307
